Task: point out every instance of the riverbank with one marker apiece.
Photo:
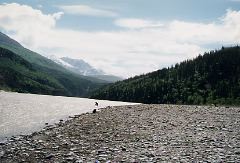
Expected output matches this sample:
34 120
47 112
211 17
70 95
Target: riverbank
22 113
139 133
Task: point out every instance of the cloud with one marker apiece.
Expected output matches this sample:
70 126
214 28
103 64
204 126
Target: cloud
87 10
225 31
27 23
133 50
133 23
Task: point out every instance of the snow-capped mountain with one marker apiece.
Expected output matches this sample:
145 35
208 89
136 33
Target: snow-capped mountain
78 66
81 67
58 60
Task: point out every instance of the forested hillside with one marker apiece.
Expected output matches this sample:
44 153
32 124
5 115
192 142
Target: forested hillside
23 70
210 78
17 74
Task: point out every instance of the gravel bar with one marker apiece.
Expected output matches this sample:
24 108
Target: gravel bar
139 133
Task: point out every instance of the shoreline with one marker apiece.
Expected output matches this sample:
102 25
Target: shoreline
134 133
22 113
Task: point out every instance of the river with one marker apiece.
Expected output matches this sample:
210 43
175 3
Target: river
25 113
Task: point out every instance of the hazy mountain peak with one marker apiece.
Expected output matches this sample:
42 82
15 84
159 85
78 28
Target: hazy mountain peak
58 60
81 67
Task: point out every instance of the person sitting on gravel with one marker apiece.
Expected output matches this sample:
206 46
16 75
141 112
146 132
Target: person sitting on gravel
94 111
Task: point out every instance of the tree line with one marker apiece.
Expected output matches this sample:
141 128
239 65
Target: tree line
211 78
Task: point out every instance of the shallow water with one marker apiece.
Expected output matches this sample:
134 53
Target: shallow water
25 113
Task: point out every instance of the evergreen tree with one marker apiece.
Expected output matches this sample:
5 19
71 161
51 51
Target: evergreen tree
211 78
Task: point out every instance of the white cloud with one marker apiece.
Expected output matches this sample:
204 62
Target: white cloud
27 23
87 10
133 23
125 52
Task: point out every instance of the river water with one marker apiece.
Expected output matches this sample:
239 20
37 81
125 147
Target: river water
25 113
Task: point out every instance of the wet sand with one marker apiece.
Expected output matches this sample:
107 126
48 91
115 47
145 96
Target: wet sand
139 133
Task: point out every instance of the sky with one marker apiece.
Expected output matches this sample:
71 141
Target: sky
122 37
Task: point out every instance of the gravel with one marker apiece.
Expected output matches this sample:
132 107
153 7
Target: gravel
139 133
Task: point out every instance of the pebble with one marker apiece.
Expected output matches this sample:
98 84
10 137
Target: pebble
49 156
2 143
2 154
79 161
70 158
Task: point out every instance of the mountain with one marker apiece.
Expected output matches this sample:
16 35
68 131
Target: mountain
211 78
81 67
17 74
41 75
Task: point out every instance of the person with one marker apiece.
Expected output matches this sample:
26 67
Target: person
96 103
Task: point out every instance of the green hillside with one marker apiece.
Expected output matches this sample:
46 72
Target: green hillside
30 56
211 78
17 74
41 76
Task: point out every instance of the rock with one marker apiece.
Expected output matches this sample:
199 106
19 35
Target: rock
79 161
73 149
2 143
150 155
49 156
100 151
102 155
70 154
94 111
40 141
237 152
70 158
55 147
2 154
37 151
124 149
25 154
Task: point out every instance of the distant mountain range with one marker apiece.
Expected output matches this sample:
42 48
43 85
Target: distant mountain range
213 78
23 70
81 67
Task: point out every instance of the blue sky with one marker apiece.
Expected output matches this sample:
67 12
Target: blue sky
123 37
164 10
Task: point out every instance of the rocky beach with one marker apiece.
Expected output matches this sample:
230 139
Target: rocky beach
137 133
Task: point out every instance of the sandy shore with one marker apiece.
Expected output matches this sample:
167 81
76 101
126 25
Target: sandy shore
140 133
